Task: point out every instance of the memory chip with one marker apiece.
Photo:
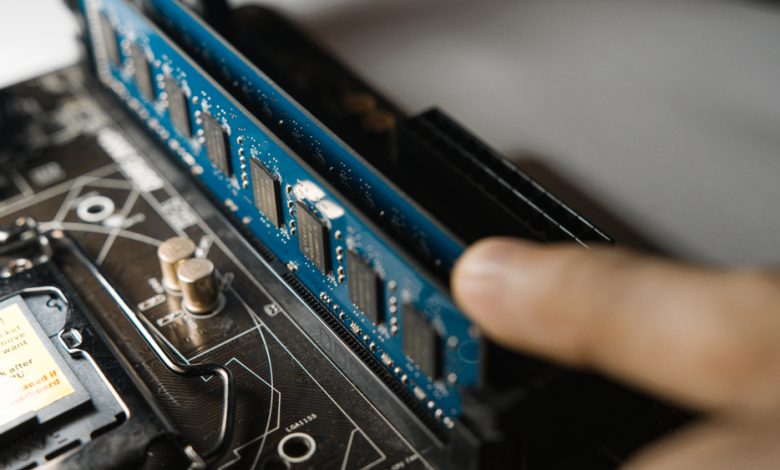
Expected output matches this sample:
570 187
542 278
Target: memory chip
178 110
109 40
365 287
266 190
421 342
313 237
216 144
141 72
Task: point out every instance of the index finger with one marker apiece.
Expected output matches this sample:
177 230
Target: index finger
705 337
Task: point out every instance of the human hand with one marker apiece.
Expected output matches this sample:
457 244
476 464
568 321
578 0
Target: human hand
704 337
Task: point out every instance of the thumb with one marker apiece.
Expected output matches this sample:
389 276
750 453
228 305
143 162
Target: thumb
506 286
708 337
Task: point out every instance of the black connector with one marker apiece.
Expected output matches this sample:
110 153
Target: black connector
481 193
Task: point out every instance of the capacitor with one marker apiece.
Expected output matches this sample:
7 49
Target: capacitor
172 253
198 285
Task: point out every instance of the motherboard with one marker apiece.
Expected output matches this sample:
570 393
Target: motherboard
84 177
219 248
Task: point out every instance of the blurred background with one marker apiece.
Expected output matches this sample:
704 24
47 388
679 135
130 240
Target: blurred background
660 119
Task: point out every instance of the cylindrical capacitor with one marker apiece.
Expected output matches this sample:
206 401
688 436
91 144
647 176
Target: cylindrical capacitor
198 285
171 254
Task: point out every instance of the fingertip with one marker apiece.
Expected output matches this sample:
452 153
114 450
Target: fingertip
483 261
511 289
483 277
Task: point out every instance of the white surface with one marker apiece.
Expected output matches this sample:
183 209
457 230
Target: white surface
667 112
36 36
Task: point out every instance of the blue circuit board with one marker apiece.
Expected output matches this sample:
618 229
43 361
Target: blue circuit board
280 111
127 46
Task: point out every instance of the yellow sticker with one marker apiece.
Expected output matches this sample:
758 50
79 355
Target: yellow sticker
30 379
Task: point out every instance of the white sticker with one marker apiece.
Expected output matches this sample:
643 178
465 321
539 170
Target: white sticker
30 379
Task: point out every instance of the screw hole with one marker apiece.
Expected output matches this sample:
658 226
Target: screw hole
72 338
297 447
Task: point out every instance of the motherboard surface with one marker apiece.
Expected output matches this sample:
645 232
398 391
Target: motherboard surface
83 173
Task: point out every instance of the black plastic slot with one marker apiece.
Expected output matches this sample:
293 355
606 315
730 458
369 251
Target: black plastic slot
367 357
507 201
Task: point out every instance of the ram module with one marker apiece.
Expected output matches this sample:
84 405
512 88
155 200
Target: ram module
349 172
380 294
